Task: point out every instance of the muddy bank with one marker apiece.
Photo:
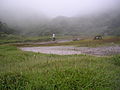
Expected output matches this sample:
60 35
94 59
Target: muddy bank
40 43
69 50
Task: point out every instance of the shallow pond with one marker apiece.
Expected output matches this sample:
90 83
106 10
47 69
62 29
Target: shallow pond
69 50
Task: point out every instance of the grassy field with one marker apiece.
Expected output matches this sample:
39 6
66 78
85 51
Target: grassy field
106 41
35 71
22 39
85 42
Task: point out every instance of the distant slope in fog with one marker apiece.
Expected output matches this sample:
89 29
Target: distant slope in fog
114 25
4 29
34 25
85 25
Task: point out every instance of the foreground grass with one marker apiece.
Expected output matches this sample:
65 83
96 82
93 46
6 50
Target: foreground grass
34 71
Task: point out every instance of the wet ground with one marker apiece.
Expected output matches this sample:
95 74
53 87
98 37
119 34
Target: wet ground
43 43
69 50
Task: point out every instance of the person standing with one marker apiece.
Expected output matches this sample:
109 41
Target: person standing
53 37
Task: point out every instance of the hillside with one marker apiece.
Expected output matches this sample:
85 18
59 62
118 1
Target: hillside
5 30
106 23
86 25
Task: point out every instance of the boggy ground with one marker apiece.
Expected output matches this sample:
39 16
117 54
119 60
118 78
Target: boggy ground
107 46
69 50
21 70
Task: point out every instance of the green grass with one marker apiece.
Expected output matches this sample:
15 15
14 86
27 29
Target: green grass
106 41
22 39
84 42
35 71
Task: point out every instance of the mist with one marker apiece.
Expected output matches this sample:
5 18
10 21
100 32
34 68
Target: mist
53 8
33 15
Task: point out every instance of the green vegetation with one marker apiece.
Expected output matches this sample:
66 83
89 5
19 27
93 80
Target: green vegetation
35 71
106 41
20 70
27 39
5 30
22 39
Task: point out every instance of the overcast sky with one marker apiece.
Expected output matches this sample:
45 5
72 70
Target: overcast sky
53 8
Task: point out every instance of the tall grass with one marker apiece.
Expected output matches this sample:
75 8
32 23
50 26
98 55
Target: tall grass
35 71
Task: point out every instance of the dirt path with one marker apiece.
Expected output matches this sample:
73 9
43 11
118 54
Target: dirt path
43 43
69 50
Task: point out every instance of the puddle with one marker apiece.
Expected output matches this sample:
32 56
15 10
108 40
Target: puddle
70 50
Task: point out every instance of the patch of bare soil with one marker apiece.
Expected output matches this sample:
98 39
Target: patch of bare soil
69 50
43 43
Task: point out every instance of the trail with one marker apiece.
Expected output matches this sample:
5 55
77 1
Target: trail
43 43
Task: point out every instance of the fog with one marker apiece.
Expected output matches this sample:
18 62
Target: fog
53 8
53 14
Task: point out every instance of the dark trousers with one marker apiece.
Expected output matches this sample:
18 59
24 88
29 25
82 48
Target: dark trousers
53 39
